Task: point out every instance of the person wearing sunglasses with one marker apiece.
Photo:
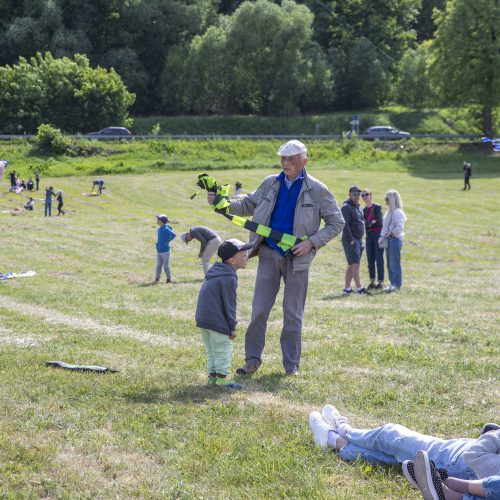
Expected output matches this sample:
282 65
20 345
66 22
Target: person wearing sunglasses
393 230
374 254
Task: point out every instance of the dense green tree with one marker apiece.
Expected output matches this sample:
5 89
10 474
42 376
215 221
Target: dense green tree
66 93
425 24
130 36
261 60
412 87
466 51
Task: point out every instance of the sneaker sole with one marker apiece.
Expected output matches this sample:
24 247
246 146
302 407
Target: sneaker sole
423 469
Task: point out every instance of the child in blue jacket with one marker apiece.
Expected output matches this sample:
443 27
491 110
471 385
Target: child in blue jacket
165 236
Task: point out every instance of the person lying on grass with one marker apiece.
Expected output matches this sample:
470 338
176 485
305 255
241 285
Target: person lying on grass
463 458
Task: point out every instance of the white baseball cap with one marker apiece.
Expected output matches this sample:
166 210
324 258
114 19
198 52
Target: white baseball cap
292 148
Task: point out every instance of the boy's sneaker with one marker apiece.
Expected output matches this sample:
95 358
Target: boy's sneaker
409 472
362 291
224 382
427 476
319 429
169 280
390 289
347 291
335 420
372 286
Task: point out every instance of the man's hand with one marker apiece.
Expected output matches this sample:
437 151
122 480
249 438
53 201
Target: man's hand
210 198
302 248
232 336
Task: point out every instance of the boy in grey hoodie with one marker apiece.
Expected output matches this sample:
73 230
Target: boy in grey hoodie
216 310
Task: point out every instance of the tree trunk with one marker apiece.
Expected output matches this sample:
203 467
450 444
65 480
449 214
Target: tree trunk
488 121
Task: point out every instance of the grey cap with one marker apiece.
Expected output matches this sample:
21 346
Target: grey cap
292 148
354 189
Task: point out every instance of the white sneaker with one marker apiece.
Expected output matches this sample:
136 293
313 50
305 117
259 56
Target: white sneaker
390 289
334 419
319 429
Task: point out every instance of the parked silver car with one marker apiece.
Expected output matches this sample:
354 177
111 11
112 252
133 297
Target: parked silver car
110 133
384 133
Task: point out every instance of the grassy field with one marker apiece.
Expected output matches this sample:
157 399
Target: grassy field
427 357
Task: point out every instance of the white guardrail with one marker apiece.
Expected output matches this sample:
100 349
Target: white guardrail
317 137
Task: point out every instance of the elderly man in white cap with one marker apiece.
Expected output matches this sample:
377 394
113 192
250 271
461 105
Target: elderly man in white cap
292 202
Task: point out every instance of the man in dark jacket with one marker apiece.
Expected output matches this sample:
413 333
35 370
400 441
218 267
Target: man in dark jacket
352 239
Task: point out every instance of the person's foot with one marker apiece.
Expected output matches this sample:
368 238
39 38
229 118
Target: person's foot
408 467
169 280
319 429
347 291
428 479
362 291
335 420
228 384
249 368
292 373
372 286
391 288
379 285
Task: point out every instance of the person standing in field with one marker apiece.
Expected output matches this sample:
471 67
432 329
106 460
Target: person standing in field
393 229
352 240
209 240
292 202
373 226
37 180
60 202
49 192
216 310
165 236
467 174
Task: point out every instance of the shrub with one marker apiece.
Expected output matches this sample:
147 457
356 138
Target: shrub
49 140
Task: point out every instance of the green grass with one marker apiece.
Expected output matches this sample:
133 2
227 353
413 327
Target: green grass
417 156
427 357
437 121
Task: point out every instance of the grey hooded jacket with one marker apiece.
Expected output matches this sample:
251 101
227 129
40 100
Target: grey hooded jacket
216 307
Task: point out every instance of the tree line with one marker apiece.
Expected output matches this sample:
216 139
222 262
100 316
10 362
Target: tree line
263 57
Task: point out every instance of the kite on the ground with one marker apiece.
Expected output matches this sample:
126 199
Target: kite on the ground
23 274
80 368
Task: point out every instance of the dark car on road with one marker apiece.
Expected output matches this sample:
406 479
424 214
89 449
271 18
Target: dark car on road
384 133
120 133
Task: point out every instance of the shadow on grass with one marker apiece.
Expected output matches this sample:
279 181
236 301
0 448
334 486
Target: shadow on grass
200 393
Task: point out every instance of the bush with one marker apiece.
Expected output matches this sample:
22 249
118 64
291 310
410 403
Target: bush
50 141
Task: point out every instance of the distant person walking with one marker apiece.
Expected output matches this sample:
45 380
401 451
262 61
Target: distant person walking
165 236
467 174
60 202
37 180
209 240
373 225
393 231
13 179
49 192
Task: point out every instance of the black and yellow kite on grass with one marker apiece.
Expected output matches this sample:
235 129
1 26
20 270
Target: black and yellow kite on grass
221 205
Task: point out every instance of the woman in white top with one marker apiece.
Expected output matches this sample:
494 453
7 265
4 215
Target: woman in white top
393 231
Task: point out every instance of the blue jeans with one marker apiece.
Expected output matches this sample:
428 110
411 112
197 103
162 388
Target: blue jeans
375 255
48 208
394 262
392 444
